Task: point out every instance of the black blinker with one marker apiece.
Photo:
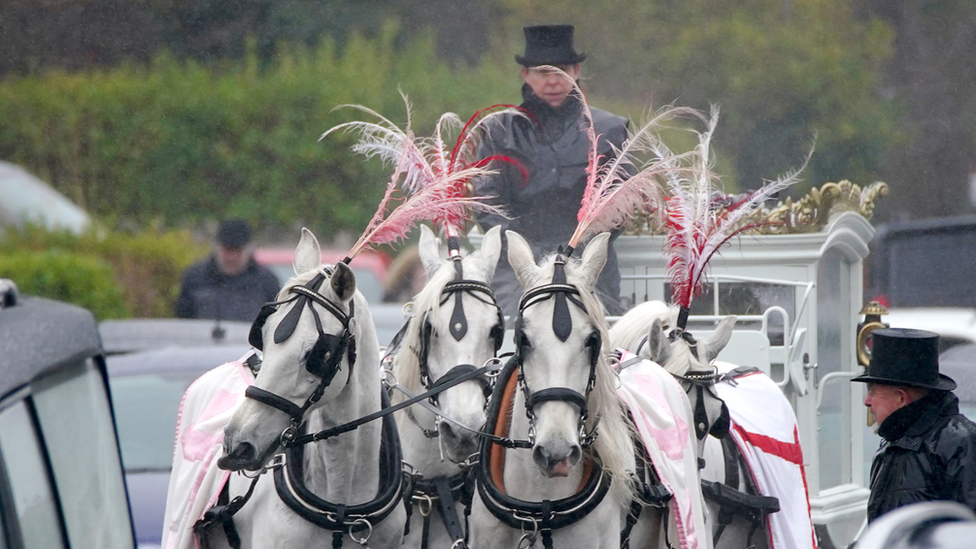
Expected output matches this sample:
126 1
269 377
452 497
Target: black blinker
326 355
255 337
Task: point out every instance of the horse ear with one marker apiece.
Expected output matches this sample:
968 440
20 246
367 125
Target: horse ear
521 259
343 281
308 253
430 251
491 250
594 258
719 338
658 348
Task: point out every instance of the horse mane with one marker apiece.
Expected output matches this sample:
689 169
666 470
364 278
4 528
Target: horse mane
615 443
406 362
630 330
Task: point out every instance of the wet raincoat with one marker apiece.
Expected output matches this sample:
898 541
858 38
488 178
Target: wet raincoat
928 453
553 146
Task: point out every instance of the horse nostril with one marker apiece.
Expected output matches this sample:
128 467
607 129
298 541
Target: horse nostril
236 459
575 454
541 458
447 432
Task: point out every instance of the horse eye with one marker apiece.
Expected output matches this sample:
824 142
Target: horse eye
524 341
495 333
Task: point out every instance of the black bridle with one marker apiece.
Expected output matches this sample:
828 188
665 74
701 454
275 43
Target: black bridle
560 291
458 328
325 358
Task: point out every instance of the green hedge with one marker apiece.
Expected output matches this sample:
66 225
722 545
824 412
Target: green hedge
187 143
115 274
81 279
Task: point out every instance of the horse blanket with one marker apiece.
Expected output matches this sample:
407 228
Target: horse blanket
660 410
763 426
196 482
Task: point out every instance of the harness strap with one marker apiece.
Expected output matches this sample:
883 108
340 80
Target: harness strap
355 424
223 513
279 403
445 506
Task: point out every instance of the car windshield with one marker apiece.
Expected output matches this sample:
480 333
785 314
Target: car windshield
146 409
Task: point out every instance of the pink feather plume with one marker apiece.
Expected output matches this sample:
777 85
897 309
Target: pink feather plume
429 181
697 227
617 190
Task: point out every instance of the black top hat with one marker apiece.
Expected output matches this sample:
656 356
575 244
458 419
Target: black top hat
234 234
904 357
549 45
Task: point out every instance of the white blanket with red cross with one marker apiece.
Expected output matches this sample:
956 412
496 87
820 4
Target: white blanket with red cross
764 428
196 482
663 416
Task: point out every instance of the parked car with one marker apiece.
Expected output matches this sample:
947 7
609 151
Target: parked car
151 363
61 482
370 267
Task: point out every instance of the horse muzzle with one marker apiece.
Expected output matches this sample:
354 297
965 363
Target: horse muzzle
556 463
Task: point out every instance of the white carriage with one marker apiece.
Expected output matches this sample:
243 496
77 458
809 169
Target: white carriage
798 295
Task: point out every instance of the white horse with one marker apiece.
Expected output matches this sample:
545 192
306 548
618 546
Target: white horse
648 330
456 327
569 482
319 372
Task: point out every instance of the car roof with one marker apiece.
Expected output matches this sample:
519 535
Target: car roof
38 335
138 334
197 359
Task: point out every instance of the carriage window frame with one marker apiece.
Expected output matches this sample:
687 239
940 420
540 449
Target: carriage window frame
33 509
88 434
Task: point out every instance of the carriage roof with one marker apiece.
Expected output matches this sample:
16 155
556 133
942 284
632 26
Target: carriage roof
39 335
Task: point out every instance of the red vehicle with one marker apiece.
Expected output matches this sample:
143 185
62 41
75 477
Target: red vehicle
370 267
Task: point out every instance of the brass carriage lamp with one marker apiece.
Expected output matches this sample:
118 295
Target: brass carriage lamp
872 321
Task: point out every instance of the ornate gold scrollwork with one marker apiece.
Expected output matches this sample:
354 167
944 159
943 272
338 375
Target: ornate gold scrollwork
809 214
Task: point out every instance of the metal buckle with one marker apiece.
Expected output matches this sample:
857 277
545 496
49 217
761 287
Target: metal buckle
279 460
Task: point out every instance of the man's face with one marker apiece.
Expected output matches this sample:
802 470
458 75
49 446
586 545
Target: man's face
885 399
549 85
232 261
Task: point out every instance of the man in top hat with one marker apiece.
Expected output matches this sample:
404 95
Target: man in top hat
552 145
928 449
229 284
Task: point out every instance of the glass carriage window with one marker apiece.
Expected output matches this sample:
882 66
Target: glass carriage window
833 284
746 299
75 416
30 487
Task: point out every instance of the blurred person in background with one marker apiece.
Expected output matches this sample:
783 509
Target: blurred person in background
928 449
229 284
552 145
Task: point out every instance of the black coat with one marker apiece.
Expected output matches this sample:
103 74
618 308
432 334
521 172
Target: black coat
208 293
553 147
928 453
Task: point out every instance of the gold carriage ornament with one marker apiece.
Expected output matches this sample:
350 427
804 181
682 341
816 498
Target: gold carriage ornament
872 321
809 214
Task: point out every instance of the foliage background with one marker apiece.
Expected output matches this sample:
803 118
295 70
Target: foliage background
167 115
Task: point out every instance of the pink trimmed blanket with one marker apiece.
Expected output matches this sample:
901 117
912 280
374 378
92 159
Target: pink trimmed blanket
663 415
195 483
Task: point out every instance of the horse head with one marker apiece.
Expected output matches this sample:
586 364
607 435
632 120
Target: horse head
457 327
650 330
565 380
309 339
